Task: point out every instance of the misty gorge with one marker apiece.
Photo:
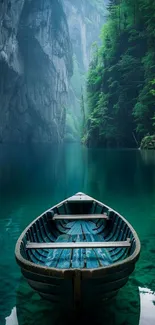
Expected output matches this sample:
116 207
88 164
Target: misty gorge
39 40
77 124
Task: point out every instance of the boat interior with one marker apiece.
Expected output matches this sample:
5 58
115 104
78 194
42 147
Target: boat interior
105 238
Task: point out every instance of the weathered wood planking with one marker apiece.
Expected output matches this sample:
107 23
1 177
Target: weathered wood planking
79 216
70 253
34 245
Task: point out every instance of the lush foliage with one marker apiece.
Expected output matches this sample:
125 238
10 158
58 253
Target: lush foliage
121 77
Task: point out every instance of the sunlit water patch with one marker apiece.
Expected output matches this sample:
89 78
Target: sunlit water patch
147 303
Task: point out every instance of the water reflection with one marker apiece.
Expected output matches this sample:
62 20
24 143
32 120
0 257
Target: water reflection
54 173
12 319
148 156
32 310
35 178
30 175
147 299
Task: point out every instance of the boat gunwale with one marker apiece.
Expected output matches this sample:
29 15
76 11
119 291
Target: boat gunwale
68 273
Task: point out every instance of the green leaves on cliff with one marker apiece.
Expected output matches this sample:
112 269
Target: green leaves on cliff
121 77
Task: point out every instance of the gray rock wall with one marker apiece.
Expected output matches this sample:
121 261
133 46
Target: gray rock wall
35 66
85 20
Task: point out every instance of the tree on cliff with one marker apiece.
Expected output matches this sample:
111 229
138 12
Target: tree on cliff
121 77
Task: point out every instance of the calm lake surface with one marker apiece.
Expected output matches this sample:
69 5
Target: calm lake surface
34 178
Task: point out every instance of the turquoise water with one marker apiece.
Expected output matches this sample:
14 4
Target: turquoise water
35 178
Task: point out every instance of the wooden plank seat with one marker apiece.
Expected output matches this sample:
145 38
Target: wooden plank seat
69 254
33 245
80 216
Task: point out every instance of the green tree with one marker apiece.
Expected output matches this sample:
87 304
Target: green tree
121 77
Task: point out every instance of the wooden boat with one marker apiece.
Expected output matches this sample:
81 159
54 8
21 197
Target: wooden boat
78 251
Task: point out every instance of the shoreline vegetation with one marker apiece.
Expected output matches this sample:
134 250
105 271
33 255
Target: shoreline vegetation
148 142
120 105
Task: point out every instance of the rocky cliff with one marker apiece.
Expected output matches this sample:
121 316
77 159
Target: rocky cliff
85 19
35 65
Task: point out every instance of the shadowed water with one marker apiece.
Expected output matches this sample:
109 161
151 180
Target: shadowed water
35 178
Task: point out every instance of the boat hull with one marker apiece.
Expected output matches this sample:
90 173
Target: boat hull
91 290
78 277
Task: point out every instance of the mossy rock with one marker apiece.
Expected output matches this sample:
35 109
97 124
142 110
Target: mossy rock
148 142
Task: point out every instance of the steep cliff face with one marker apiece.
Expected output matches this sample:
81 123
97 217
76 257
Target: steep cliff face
85 19
35 65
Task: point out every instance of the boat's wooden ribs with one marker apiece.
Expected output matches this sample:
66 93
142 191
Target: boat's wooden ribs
79 216
79 245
